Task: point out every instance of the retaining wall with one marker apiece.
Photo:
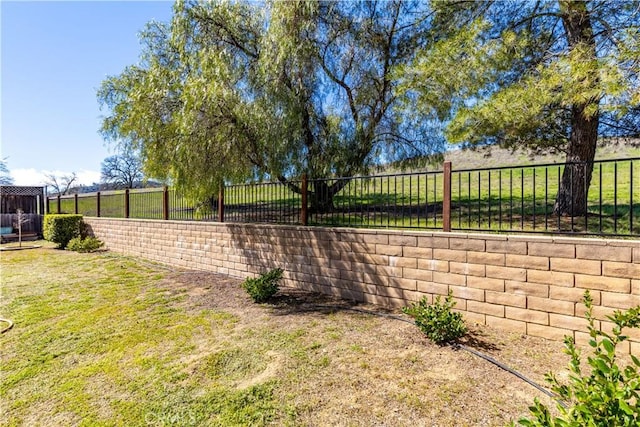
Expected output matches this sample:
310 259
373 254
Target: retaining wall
527 284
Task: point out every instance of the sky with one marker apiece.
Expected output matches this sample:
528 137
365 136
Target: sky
53 57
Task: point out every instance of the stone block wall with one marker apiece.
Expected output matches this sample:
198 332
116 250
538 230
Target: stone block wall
527 284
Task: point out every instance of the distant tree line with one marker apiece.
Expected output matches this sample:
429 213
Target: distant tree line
117 172
120 171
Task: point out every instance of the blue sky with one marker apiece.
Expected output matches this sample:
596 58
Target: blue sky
54 55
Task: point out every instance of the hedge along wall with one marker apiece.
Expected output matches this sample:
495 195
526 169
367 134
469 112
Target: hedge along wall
527 284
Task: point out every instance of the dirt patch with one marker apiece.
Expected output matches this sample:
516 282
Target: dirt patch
271 371
356 368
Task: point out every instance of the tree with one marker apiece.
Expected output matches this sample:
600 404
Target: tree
122 170
60 184
545 74
231 91
20 220
5 176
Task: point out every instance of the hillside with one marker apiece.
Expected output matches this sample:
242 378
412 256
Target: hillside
488 157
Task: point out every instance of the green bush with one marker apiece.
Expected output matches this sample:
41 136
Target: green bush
608 395
437 320
264 287
61 228
88 244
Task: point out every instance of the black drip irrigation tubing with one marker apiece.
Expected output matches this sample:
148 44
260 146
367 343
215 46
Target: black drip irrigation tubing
455 346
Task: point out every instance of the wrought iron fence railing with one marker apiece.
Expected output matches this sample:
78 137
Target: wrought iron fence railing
505 199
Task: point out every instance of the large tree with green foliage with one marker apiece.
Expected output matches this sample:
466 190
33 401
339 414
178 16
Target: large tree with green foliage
230 91
544 74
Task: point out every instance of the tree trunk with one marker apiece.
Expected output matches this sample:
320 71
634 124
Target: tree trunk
321 198
576 178
323 193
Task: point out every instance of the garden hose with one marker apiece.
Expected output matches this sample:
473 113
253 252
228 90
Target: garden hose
508 369
455 346
8 327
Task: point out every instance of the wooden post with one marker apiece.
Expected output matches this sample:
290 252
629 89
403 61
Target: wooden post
98 204
221 203
75 203
126 203
165 203
59 205
446 198
42 200
304 212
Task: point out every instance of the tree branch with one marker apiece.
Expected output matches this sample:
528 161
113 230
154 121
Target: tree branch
342 84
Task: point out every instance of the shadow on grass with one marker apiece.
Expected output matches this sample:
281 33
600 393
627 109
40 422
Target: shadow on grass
292 301
476 340
296 302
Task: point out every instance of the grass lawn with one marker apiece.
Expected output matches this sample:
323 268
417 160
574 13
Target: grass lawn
102 339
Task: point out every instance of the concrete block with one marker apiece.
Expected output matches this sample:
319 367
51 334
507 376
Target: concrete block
485 283
576 266
508 325
450 255
485 258
603 283
550 278
528 316
603 253
551 305
509 273
556 250
527 261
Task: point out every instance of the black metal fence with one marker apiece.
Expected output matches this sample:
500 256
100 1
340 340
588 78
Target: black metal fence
507 199
408 200
523 198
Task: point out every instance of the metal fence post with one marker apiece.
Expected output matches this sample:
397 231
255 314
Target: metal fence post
165 203
98 204
221 203
59 205
304 212
446 198
126 203
75 203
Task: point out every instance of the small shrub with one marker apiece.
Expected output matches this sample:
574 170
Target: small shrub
437 320
264 287
608 395
88 244
61 228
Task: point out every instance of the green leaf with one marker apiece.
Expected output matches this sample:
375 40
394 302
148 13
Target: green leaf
608 345
625 407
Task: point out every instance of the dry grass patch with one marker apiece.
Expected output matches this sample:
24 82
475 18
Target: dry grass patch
110 340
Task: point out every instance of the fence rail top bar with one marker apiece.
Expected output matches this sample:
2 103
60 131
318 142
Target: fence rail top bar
546 165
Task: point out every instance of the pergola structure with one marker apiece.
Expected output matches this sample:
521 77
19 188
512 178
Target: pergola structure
28 199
